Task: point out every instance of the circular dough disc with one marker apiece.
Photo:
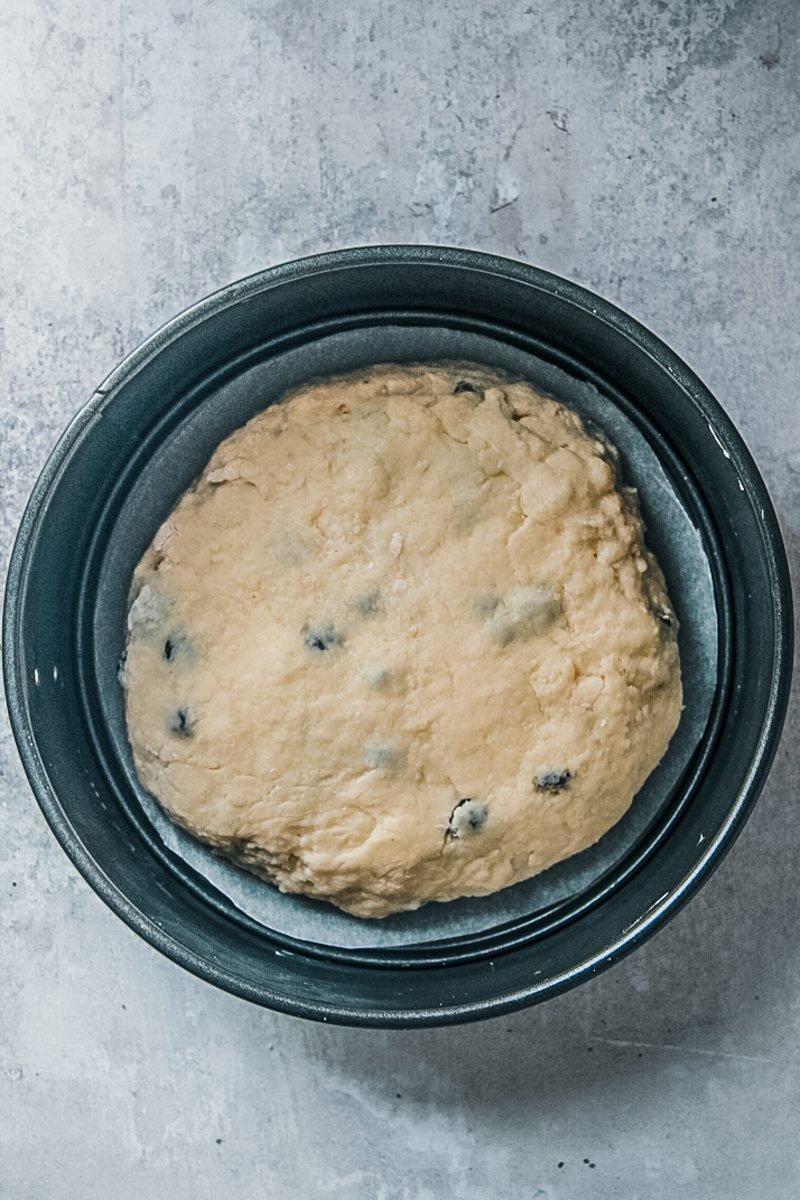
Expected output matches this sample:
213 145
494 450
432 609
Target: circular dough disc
402 642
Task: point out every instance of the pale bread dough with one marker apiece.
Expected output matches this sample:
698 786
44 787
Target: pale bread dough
402 642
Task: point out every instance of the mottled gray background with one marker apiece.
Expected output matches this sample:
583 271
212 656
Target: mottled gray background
152 152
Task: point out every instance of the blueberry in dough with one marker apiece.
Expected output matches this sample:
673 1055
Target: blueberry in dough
181 723
523 613
553 781
467 817
463 386
380 755
319 638
176 646
370 604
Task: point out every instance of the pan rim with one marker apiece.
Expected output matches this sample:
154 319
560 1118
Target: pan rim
603 311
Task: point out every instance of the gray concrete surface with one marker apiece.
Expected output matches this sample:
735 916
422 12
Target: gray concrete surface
154 151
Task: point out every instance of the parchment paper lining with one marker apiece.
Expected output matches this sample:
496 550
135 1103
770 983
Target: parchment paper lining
670 533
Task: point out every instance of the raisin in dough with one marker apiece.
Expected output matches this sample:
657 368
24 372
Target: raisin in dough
402 642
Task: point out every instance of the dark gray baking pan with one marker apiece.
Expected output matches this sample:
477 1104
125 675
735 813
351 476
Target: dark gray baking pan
147 433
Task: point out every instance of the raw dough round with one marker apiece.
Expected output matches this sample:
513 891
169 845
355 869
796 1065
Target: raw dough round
402 642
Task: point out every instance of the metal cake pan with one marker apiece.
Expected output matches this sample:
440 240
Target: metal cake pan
148 430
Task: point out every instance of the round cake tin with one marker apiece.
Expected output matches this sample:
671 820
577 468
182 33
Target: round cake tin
145 435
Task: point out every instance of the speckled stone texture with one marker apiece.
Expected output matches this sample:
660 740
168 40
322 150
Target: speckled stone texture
152 152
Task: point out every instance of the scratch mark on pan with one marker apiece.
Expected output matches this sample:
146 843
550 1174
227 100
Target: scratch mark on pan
713 433
656 903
